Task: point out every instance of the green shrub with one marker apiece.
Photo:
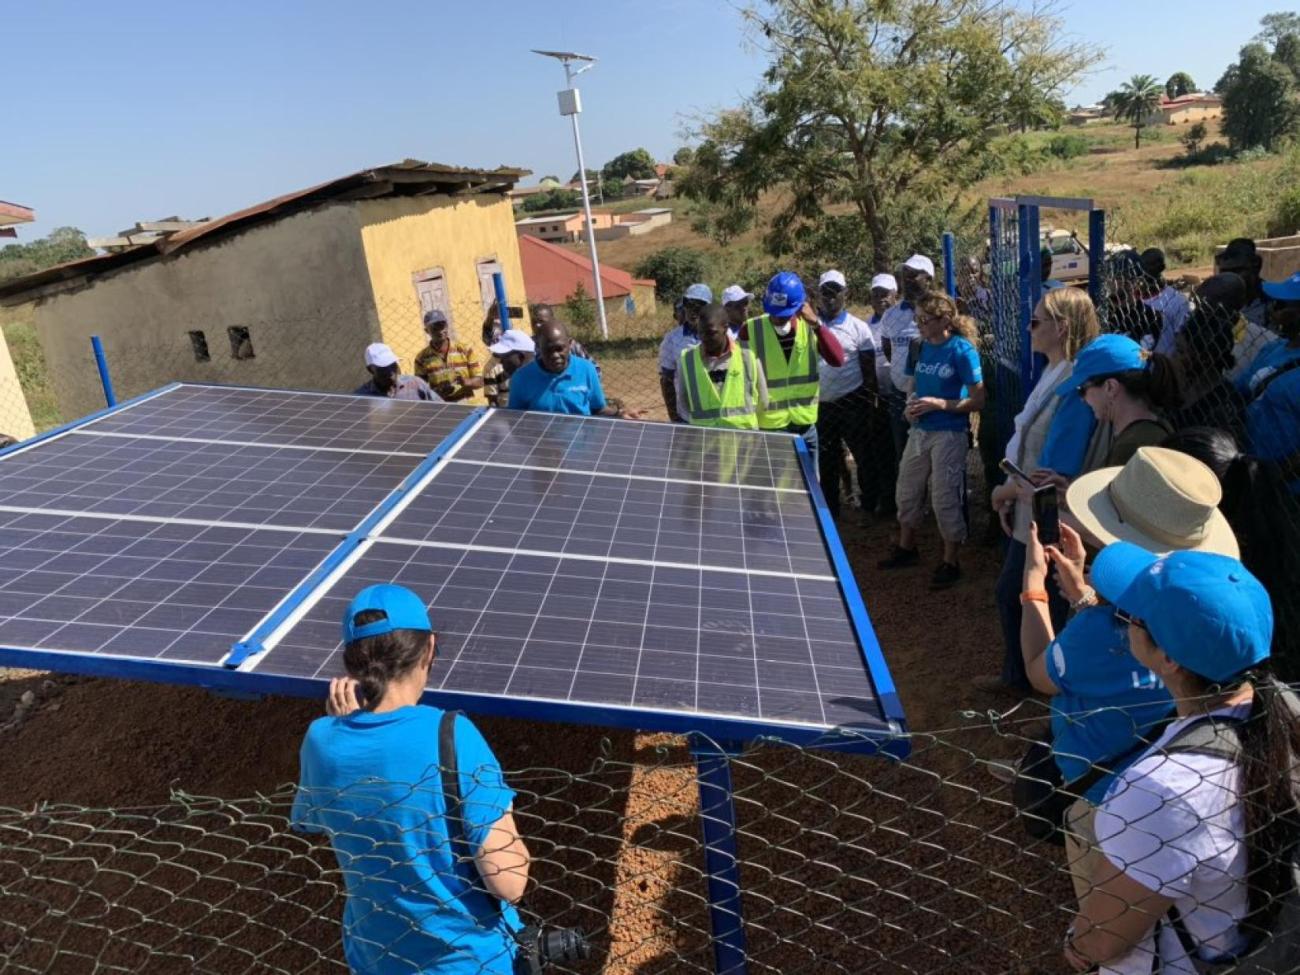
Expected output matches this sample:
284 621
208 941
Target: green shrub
673 269
1067 146
33 375
1285 220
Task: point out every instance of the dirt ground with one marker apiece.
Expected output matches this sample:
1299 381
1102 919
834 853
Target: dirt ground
916 866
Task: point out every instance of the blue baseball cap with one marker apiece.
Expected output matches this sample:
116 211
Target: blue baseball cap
1103 356
1288 290
402 609
784 295
1206 611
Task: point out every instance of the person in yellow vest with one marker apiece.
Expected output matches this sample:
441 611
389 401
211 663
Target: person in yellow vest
718 383
788 340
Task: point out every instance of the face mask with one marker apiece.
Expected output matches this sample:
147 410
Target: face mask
786 328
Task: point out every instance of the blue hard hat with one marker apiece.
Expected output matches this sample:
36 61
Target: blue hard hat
402 609
1206 611
784 295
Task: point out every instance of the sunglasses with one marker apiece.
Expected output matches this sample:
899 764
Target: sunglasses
1128 620
694 304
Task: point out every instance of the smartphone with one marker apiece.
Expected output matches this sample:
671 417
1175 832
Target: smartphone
1011 470
1047 514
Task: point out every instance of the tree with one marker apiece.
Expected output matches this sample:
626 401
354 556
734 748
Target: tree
1111 104
549 179
1277 26
883 109
580 309
637 163
556 199
1194 138
1287 53
674 269
683 156
1259 106
592 176
1180 83
61 245
1139 97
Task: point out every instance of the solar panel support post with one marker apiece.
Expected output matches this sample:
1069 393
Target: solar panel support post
721 857
949 264
101 361
1096 254
503 310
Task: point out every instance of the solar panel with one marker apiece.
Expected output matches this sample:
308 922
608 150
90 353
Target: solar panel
87 472
633 574
479 506
288 418
602 634
673 451
176 592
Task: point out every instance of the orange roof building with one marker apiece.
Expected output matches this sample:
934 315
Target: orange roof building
553 274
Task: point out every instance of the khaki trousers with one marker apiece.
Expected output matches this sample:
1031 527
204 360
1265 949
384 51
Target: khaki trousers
937 459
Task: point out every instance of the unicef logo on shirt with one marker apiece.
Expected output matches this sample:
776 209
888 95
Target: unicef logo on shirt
943 370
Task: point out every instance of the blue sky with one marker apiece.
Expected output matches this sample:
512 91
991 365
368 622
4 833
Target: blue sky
120 112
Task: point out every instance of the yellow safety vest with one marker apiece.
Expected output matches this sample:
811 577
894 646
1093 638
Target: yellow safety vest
792 384
736 406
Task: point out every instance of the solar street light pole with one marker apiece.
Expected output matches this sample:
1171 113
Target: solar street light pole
101 361
571 105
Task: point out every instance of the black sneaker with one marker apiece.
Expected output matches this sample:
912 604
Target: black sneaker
901 558
946 576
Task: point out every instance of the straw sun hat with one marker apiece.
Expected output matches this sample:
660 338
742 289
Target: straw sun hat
1162 500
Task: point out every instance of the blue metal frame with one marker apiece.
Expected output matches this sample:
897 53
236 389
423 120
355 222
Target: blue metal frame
721 856
253 644
101 361
503 310
1030 259
87 419
1096 254
949 263
873 657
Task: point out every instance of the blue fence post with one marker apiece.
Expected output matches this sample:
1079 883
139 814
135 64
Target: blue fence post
1026 221
949 265
102 362
1036 362
1096 254
503 310
721 859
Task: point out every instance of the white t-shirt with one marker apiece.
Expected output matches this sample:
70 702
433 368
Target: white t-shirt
898 325
855 337
674 343
1174 309
1045 387
882 364
1176 825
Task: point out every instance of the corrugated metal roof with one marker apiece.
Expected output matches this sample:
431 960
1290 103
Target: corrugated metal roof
410 177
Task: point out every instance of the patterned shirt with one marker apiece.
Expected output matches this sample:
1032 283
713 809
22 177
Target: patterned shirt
496 384
457 367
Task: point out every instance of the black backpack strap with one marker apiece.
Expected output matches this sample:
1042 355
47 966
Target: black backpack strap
1099 771
462 853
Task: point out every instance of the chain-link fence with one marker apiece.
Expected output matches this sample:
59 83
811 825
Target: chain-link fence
848 864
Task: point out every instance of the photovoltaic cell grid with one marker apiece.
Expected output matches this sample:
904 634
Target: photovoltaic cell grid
586 565
85 472
142 589
277 417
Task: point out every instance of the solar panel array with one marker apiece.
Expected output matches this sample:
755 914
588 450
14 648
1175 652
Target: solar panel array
632 573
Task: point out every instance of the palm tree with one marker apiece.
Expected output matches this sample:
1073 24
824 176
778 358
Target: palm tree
1138 98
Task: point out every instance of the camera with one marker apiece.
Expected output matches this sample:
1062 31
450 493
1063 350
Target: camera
540 946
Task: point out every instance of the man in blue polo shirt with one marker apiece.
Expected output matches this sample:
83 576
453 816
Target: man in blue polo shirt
1271 384
559 382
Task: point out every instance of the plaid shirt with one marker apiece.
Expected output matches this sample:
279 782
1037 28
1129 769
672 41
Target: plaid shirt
496 384
457 367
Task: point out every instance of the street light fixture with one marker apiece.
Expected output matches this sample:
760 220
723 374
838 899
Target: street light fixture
571 105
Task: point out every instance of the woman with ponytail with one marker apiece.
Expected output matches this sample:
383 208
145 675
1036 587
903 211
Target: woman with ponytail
430 883
1198 835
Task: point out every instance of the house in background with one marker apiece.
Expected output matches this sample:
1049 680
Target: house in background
1087 115
12 214
569 228
286 293
554 274
1198 106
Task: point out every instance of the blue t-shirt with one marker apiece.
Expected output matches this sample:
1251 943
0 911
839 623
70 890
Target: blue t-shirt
1107 700
1273 418
1069 434
575 391
371 782
945 371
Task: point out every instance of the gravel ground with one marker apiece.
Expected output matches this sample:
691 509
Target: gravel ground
848 862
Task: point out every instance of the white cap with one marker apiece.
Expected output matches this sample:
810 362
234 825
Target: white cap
885 281
380 355
735 292
832 277
699 292
512 340
919 262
